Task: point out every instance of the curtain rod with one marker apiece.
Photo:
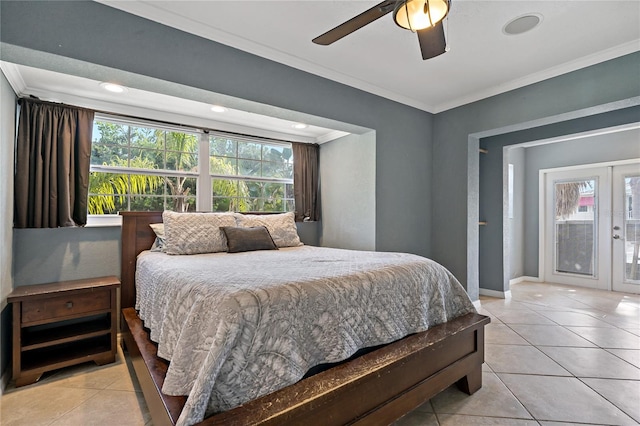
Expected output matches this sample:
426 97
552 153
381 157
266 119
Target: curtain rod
32 98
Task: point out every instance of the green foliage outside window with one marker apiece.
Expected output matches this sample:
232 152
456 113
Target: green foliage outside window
231 157
107 190
160 171
141 148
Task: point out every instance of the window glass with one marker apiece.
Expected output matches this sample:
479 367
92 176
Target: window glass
143 167
249 150
120 152
264 171
220 146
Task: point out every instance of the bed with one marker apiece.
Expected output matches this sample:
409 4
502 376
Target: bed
376 387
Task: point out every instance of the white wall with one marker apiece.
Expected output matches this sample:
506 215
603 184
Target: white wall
516 222
7 131
348 191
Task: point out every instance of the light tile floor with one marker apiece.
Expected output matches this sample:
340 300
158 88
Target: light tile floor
81 395
555 355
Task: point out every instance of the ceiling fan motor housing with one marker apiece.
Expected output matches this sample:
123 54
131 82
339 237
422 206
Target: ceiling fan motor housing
417 15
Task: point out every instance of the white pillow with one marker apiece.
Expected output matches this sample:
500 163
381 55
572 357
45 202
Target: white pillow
158 229
282 227
193 233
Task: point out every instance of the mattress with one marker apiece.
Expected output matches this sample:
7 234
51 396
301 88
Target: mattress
239 326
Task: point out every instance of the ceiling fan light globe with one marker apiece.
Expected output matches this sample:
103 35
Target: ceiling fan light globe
410 14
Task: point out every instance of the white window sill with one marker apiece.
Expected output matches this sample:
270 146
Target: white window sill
103 220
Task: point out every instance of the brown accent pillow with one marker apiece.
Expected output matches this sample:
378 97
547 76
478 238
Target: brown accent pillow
282 227
248 239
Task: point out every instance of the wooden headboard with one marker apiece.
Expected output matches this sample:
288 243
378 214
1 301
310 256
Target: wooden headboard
137 236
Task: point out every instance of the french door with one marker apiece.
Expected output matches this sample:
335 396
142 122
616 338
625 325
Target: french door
592 227
626 228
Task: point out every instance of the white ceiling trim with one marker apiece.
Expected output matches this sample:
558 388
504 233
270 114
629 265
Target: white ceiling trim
14 78
586 61
335 134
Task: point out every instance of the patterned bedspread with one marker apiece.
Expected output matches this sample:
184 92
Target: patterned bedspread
239 326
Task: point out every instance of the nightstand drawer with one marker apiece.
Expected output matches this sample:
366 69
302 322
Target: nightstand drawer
65 305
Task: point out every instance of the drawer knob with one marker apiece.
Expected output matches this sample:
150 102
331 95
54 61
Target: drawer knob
69 305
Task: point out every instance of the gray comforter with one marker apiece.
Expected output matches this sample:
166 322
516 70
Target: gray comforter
239 326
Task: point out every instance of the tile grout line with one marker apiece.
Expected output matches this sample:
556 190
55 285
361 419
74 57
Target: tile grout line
572 375
607 399
516 398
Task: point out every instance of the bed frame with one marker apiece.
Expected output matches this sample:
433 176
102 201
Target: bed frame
373 389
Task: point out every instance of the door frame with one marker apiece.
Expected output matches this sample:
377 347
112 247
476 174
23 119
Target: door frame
542 177
619 280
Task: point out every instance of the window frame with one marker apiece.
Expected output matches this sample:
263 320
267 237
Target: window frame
204 178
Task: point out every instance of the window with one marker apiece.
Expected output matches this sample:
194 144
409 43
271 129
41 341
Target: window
250 175
142 166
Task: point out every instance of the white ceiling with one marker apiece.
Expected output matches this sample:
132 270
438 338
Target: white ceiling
383 59
84 92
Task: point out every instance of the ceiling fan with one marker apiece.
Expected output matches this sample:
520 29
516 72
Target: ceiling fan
421 16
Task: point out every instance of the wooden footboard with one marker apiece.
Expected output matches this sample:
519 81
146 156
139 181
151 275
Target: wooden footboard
374 389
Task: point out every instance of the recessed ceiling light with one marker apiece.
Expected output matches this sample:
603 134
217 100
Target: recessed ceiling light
299 126
112 87
218 108
522 24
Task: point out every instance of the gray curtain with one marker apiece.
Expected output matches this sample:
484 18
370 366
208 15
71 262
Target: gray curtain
53 151
306 165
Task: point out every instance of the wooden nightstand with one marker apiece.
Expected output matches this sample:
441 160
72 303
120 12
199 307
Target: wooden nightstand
60 324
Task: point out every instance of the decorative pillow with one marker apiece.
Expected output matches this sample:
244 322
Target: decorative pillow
193 233
282 227
248 239
158 244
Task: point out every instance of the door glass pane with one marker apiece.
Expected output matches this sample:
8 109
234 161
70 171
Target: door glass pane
632 227
575 227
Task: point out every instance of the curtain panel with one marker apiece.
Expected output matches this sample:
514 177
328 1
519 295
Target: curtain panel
306 165
53 151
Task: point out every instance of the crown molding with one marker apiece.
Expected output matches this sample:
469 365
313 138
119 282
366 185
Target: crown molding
565 68
14 78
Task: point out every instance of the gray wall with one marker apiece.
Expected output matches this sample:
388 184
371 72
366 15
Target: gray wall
348 187
58 254
455 171
490 210
7 132
136 45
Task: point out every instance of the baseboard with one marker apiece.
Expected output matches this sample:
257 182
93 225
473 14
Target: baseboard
524 278
495 293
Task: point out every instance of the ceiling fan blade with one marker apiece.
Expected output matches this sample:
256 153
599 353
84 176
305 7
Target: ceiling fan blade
355 23
432 41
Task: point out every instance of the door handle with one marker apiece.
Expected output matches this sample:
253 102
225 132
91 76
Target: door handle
616 236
